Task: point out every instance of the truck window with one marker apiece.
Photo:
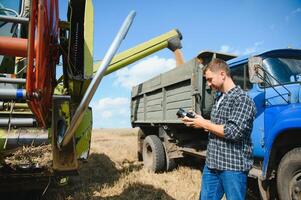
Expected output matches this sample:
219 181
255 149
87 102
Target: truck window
285 70
9 7
240 76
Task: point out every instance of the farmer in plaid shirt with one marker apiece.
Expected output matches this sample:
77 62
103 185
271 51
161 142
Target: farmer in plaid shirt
229 150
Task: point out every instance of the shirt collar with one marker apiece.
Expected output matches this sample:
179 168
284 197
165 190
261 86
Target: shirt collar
232 90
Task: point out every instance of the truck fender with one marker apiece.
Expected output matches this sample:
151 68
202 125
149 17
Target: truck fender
282 126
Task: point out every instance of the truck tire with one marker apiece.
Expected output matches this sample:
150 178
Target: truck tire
289 176
139 156
170 164
153 154
140 139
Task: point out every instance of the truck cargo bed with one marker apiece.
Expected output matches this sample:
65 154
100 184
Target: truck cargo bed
158 100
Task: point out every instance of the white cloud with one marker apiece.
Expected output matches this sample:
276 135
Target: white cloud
108 102
106 114
228 49
111 112
236 52
258 43
249 50
292 14
123 111
225 48
111 107
296 11
143 70
254 48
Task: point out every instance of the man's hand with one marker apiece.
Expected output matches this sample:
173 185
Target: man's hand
207 125
195 114
197 122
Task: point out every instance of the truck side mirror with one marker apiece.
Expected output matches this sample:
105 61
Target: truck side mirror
255 69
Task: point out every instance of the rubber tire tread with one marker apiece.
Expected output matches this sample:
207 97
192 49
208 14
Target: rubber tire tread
289 164
158 162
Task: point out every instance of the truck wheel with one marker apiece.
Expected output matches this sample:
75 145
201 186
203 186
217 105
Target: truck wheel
153 154
289 176
139 156
170 164
140 139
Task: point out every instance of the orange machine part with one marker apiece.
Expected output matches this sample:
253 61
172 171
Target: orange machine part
13 46
42 57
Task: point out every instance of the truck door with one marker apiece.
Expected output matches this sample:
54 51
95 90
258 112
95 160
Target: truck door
275 96
240 76
281 88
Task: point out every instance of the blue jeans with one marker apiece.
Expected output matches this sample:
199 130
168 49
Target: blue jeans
216 182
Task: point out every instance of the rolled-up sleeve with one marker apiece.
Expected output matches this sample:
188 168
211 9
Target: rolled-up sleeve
240 119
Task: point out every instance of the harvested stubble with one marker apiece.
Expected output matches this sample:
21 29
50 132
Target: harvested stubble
113 172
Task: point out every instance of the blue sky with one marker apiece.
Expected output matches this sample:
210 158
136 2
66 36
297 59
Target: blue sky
238 27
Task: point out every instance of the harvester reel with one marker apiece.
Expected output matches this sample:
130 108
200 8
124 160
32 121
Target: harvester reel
42 57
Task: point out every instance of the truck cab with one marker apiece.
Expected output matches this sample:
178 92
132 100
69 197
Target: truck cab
274 84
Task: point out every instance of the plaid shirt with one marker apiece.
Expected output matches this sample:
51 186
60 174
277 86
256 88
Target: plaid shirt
236 111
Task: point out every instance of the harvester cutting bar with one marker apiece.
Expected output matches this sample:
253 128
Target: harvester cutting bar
12 94
21 20
80 111
13 46
13 80
25 137
17 122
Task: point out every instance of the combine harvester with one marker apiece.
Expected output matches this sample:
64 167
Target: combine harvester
45 121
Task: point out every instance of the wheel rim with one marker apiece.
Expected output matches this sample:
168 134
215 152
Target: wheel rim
295 186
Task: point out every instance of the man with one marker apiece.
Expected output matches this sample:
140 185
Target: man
229 150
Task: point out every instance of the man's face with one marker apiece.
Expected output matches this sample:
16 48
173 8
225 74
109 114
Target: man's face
215 80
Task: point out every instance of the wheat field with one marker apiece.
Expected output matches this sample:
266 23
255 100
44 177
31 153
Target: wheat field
113 173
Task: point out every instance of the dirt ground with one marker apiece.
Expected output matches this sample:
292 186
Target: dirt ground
112 172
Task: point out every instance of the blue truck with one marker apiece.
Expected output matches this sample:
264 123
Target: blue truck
272 79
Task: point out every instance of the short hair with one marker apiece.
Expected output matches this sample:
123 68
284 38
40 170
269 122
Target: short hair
217 64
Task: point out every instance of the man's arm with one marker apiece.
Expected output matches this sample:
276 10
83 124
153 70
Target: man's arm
239 120
200 122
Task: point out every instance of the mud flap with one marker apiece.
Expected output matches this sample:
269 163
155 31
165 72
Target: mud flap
64 160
